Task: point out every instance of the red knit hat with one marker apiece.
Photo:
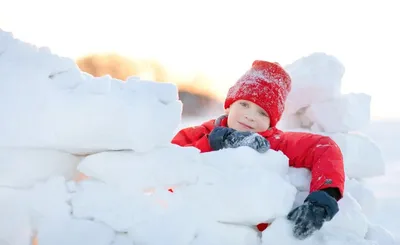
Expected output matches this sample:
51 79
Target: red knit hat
265 84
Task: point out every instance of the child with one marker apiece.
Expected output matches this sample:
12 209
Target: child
254 106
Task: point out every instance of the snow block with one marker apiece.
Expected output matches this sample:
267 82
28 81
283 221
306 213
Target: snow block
56 106
23 167
315 78
164 167
241 182
342 114
362 157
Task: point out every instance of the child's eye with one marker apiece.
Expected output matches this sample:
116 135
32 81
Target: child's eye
244 104
263 114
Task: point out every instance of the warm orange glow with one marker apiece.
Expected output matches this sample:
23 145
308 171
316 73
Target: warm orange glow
80 177
35 240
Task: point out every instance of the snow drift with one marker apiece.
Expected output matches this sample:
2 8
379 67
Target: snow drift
138 188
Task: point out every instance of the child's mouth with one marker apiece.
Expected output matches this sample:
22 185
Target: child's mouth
245 125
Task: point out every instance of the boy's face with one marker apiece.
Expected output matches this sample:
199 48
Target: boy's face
244 115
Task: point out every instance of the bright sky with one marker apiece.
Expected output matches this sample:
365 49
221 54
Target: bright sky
221 38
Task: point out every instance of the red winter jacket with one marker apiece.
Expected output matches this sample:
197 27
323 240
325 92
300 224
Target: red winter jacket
320 154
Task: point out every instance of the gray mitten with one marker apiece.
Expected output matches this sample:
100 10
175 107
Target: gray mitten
222 137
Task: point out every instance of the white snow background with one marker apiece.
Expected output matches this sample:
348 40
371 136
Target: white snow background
59 124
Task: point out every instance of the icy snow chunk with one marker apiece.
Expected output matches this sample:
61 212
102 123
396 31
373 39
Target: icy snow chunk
163 167
164 91
214 233
349 219
315 78
362 157
56 106
15 226
380 235
342 114
300 178
23 167
74 231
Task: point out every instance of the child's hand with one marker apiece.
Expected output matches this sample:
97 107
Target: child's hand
311 215
222 137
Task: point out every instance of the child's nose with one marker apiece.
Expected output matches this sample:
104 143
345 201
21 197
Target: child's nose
249 117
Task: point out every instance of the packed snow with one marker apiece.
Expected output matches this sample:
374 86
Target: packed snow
88 160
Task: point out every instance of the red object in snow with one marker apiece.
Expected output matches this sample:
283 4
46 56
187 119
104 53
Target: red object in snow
262 226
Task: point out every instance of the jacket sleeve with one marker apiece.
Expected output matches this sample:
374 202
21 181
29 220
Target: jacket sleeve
193 136
320 154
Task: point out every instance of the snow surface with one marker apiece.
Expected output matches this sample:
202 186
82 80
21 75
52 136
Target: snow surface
137 188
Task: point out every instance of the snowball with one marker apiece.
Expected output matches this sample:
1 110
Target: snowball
56 106
22 167
362 157
342 114
315 78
